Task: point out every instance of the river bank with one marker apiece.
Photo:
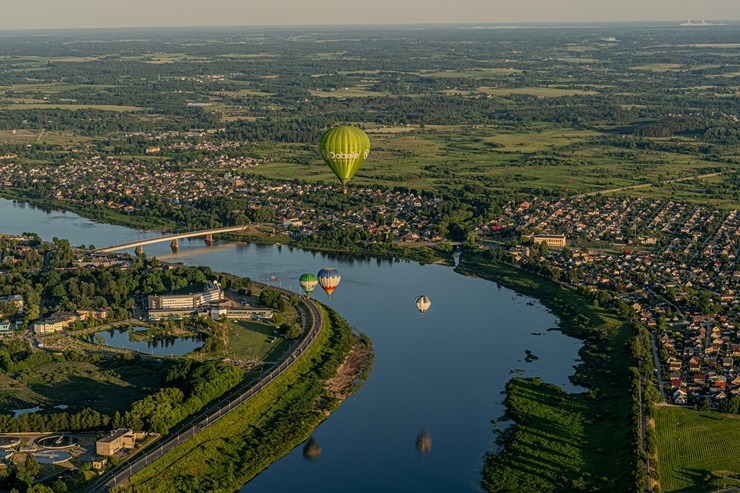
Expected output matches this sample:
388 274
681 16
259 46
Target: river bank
92 212
260 234
279 418
564 441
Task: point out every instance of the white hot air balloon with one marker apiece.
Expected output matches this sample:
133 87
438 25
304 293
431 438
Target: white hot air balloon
423 303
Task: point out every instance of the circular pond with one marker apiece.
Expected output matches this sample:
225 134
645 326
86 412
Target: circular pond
9 442
49 457
57 442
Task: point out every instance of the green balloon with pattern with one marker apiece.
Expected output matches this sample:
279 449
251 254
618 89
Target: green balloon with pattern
344 149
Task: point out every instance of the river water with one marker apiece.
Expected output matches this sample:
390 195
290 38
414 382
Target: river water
443 372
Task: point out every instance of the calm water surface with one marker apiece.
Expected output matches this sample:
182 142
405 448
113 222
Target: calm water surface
443 372
166 346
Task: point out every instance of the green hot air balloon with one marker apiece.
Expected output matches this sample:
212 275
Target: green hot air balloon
344 149
308 282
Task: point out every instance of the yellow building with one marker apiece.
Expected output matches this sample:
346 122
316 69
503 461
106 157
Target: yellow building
115 441
550 240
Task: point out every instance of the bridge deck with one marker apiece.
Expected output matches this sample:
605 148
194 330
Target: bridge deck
177 236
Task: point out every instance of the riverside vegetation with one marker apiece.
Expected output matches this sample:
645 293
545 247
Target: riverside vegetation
582 441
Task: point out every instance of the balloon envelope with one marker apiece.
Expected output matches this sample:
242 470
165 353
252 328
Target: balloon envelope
329 279
344 149
423 303
308 282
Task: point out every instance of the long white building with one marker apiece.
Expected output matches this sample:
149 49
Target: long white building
213 294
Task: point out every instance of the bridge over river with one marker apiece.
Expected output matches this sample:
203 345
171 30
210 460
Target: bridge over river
173 239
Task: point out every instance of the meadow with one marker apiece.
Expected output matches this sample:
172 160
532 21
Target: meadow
697 451
545 158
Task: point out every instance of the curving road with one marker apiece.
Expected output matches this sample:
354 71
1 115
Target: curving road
312 320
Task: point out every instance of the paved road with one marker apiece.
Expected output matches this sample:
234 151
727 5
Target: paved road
312 320
658 368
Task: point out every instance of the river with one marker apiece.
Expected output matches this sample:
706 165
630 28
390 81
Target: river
443 372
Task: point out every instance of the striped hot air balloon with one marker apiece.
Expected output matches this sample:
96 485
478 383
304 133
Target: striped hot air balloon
329 279
308 282
423 303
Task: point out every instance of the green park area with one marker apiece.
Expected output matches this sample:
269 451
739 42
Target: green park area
254 341
79 373
697 451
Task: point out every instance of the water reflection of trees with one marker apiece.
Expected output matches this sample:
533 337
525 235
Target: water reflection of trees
312 450
169 341
152 343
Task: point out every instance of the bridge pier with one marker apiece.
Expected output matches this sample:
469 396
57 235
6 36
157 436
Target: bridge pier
173 238
139 250
174 244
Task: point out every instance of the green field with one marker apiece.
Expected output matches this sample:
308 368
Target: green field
71 107
546 140
51 87
347 92
548 447
661 67
482 72
542 92
254 340
544 157
28 136
696 446
249 92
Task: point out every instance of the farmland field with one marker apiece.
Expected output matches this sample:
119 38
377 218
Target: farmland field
46 106
347 92
693 445
543 157
542 92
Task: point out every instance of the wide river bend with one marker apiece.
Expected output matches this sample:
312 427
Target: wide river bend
443 372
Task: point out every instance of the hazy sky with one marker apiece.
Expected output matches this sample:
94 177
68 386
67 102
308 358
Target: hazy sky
26 14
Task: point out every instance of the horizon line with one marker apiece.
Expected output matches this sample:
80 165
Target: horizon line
347 25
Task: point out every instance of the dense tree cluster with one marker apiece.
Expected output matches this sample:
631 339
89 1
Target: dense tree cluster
273 299
100 287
